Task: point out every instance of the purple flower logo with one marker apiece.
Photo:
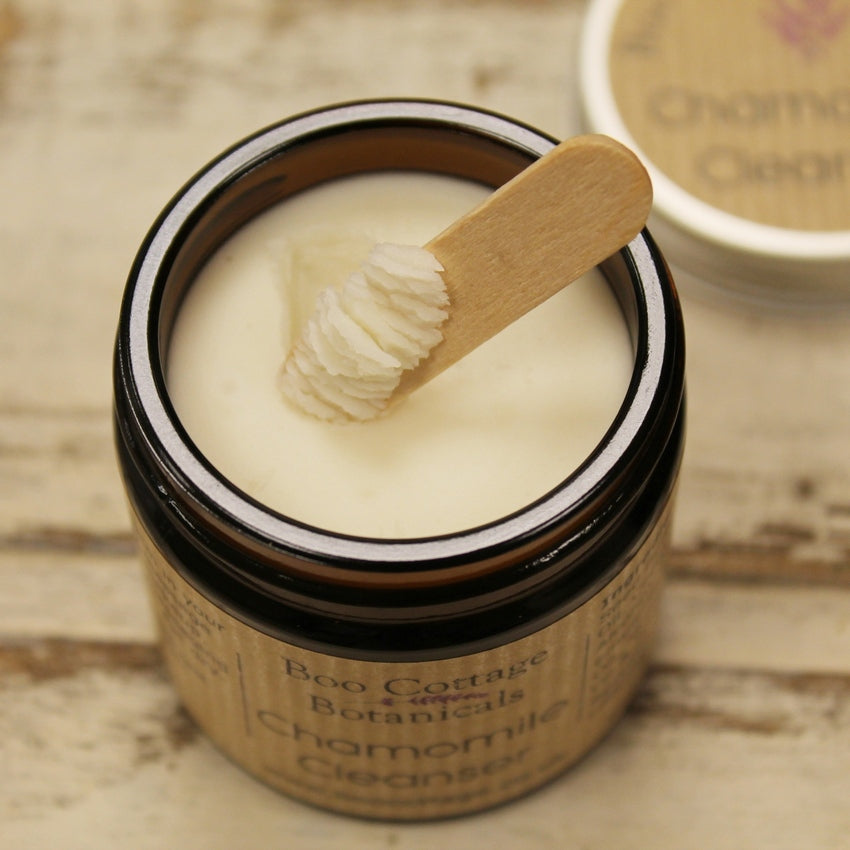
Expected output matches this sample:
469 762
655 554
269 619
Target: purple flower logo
808 25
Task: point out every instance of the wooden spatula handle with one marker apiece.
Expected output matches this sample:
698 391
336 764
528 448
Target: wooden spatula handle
553 222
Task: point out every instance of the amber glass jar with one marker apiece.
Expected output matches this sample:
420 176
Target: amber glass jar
400 679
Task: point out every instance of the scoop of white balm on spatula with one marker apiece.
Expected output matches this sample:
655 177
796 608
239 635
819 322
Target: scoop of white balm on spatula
411 312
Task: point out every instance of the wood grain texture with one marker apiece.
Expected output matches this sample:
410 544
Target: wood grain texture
99 749
559 218
740 737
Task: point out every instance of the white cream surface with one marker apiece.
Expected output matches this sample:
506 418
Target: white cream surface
385 318
485 438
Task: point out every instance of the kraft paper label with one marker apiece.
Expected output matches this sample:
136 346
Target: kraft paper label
743 103
410 740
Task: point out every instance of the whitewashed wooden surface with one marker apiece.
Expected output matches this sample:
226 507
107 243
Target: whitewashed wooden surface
740 737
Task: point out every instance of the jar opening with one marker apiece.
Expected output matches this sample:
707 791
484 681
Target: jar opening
351 139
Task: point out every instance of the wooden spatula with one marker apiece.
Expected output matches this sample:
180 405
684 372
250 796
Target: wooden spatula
556 220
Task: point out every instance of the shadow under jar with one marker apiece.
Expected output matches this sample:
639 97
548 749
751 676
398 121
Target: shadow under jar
401 679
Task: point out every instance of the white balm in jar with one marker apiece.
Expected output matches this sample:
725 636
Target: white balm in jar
445 662
484 439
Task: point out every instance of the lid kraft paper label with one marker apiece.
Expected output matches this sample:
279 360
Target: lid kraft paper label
411 740
745 104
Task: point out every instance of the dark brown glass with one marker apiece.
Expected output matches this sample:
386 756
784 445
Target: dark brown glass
359 597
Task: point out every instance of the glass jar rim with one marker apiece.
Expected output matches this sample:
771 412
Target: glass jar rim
219 505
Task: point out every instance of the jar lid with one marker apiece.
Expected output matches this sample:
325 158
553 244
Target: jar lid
740 109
